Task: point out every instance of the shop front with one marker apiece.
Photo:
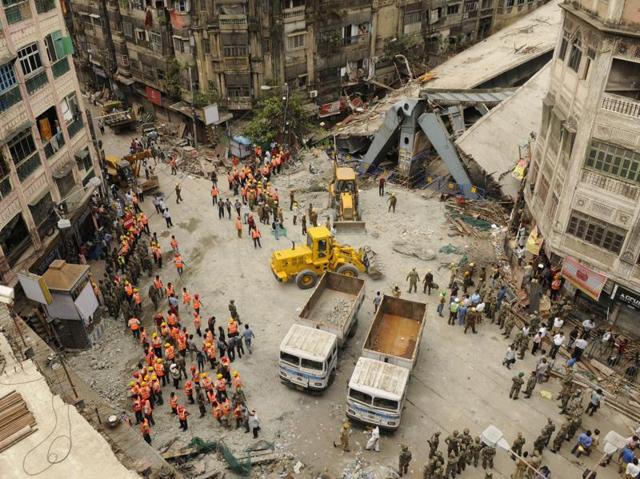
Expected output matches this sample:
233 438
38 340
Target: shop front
625 311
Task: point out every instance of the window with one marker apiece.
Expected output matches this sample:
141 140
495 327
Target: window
575 56
596 232
289 358
309 364
360 396
614 160
54 46
181 45
22 146
124 59
385 404
563 46
156 41
591 55
509 3
182 6
206 46
127 29
235 51
322 248
453 9
413 17
141 35
553 206
543 189
30 60
7 77
295 42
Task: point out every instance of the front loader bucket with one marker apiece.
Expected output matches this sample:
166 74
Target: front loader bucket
372 260
350 226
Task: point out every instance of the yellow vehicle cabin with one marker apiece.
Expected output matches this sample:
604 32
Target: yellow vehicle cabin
305 263
343 193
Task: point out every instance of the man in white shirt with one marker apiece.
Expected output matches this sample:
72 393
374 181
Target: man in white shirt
557 324
633 469
588 325
543 332
558 341
579 347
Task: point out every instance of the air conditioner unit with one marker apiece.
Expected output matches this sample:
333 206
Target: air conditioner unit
313 94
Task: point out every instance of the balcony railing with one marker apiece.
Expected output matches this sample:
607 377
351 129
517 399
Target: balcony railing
622 105
55 143
236 63
239 103
611 185
28 166
356 39
230 22
74 127
43 6
17 12
36 82
295 13
60 67
5 186
9 98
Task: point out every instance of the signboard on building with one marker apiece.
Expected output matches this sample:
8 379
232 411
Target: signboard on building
333 108
34 287
153 95
211 114
585 279
627 297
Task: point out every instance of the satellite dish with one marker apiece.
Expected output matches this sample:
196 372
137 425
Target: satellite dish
64 224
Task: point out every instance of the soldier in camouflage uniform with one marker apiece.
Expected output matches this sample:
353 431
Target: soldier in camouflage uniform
462 458
561 436
517 445
534 323
452 441
538 444
547 430
476 450
434 442
530 385
509 323
488 453
452 465
523 346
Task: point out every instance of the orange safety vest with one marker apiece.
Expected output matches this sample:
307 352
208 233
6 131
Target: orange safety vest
147 408
173 402
134 324
221 384
144 427
174 244
170 290
206 384
143 338
156 342
211 396
158 283
196 302
237 412
145 392
137 405
137 298
188 388
170 352
179 262
217 411
255 233
237 383
172 319
197 322
182 343
182 413
159 368
214 192
238 224
128 289
226 407
232 326
186 298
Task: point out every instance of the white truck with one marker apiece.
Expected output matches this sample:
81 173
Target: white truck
378 386
309 351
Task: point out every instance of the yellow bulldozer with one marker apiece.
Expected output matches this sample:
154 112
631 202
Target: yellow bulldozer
125 171
343 197
305 263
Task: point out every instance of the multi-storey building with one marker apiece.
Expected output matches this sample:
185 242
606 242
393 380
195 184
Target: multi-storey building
46 153
237 47
584 179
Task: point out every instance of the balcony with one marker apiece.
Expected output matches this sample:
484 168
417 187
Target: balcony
43 6
232 22
16 12
356 40
60 67
9 98
28 166
5 187
293 14
74 127
619 104
240 103
36 82
236 63
611 185
53 146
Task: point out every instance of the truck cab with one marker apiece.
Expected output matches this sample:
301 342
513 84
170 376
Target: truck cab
377 392
308 358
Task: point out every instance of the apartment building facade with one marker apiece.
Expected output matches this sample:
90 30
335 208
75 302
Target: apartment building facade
46 152
584 179
236 47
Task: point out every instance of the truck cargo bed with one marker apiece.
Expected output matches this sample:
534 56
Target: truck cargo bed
396 336
333 307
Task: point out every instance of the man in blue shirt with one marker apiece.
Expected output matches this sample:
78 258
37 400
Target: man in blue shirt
462 314
585 441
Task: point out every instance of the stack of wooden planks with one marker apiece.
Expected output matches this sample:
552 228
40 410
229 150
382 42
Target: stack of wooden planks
16 421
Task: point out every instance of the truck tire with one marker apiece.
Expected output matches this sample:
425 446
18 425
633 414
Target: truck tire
348 270
306 279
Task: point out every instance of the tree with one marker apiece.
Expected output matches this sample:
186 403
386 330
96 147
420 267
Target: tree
172 80
207 97
268 119
412 46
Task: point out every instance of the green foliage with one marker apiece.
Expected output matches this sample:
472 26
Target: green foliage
412 46
207 97
268 118
171 81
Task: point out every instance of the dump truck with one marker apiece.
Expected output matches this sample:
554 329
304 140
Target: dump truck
304 263
343 197
378 386
117 117
307 358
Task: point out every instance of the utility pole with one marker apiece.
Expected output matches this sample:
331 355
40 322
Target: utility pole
193 111
285 134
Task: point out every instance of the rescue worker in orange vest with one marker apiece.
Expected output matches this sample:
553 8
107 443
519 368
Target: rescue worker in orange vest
134 389
145 391
173 403
156 389
205 380
172 320
179 263
211 355
144 221
226 413
170 290
169 352
137 409
186 298
148 411
217 412
232 328
211 396
196 303
157 254
160 372
188 391
238 224
174 244
157 283
143 339
182 417
134 325
156 344
239 414
197 322
150 358
164 330
214 195
137 301
145 429
128 289
237 382
221 388
255 235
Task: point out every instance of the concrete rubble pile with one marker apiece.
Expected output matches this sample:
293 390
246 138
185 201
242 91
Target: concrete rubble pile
339 312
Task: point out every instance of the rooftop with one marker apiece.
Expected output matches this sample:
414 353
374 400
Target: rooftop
493 141
79 448
371 375
520 42
308 343
63 276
